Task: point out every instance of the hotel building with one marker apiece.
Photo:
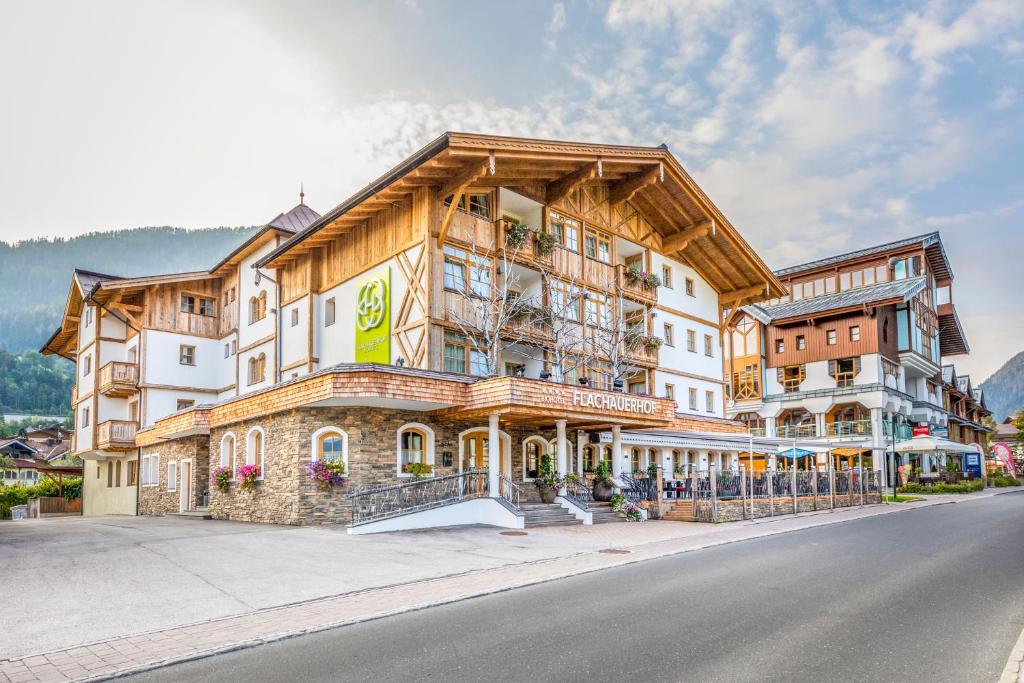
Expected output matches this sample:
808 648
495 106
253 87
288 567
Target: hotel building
554 298
854 353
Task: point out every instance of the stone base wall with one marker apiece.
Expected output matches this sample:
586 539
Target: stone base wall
157 500
734 510
287 496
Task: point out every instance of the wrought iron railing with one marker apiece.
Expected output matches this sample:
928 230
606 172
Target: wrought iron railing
804 483
370 504
638 489
580 493
728 485
509 491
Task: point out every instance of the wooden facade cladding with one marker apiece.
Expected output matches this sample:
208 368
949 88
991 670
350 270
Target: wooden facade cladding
816 340
691 423
536 401
163 308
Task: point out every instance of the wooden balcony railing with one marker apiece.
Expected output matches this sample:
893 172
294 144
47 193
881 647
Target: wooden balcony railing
529 253
114 435
635 288
118 379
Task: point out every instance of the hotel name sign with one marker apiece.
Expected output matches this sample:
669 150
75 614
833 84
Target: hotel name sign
608 402
563 397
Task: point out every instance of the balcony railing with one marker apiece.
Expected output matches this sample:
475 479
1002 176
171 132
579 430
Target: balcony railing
635 289
118 379
840 429
802 431
529 251
903 431
115 435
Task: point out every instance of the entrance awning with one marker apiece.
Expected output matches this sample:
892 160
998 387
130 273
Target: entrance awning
930 444
846 452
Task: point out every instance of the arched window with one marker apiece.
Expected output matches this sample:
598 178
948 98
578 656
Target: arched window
533 449
330 444
606 456
415 446
634 459
227 452
257 308
257 368
652 457
589 458
254 449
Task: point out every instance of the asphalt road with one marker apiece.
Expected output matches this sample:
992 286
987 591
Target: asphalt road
925 595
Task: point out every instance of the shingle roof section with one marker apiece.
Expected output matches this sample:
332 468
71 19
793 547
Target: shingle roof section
299 218
88 279
852 297
948 373
926 240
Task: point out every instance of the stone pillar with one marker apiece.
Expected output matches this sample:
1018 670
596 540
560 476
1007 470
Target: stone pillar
493 455
616 450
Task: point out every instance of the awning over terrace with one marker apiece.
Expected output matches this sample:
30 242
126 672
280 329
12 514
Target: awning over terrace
931 444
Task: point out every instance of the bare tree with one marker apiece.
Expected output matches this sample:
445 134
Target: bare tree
491 310
618 338
568 350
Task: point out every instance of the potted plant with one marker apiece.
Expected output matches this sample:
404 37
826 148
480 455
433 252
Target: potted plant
634 275
651 281
417 469
248 476
548 483
652 343
603 489
545 243
516 235
221 478
326 473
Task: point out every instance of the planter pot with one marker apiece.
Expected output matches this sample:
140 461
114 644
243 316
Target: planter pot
603 492
548 495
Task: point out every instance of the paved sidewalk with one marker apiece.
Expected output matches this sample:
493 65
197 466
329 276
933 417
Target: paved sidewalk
625 544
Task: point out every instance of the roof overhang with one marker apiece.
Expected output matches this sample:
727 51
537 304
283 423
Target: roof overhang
952 338
684 221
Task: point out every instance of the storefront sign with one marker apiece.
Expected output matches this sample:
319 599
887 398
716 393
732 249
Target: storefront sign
972 464
941 432
626 403
373 318
920 430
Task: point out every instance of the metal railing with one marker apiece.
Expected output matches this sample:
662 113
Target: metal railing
509 491
370 504
580 493
848 428
638 489
903 431
800 431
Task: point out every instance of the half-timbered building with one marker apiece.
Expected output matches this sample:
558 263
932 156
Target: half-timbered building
487 303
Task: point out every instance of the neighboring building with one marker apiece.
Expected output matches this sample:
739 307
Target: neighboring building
32 458
853 353
344 336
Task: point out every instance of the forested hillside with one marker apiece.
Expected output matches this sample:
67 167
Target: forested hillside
34 280
1004 390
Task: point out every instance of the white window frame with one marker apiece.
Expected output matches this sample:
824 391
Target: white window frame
249 459
225 461
150 470
172 481
428 447
314 450
536 438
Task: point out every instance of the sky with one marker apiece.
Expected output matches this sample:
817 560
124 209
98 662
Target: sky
816 127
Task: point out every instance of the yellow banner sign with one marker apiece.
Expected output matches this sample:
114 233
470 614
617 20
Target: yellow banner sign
373 318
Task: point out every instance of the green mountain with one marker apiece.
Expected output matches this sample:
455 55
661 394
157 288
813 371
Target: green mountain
1004 390
34 279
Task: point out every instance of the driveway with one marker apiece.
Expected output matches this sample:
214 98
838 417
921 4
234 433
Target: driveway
91 578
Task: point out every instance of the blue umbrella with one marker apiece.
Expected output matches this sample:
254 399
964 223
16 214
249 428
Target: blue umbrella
794 453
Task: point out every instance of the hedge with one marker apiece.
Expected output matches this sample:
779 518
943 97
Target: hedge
941 487
12 495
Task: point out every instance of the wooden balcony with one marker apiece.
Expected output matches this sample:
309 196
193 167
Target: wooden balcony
115 435
528 254
74 394
636 289
118 379
644 355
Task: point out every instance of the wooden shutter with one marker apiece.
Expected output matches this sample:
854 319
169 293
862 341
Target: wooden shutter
833 368
856 366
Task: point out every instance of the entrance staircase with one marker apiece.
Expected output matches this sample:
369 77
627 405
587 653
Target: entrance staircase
544 514
681 511
200 513
602 513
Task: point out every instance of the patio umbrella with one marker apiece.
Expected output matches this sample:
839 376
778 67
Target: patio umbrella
794 453
930 444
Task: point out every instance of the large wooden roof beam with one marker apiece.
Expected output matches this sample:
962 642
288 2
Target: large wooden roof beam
624 190
680 240
464 179
737 295
561 188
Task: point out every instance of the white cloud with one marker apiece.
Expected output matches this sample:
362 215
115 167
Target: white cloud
1005 98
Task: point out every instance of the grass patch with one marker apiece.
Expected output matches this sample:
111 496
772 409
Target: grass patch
902 499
